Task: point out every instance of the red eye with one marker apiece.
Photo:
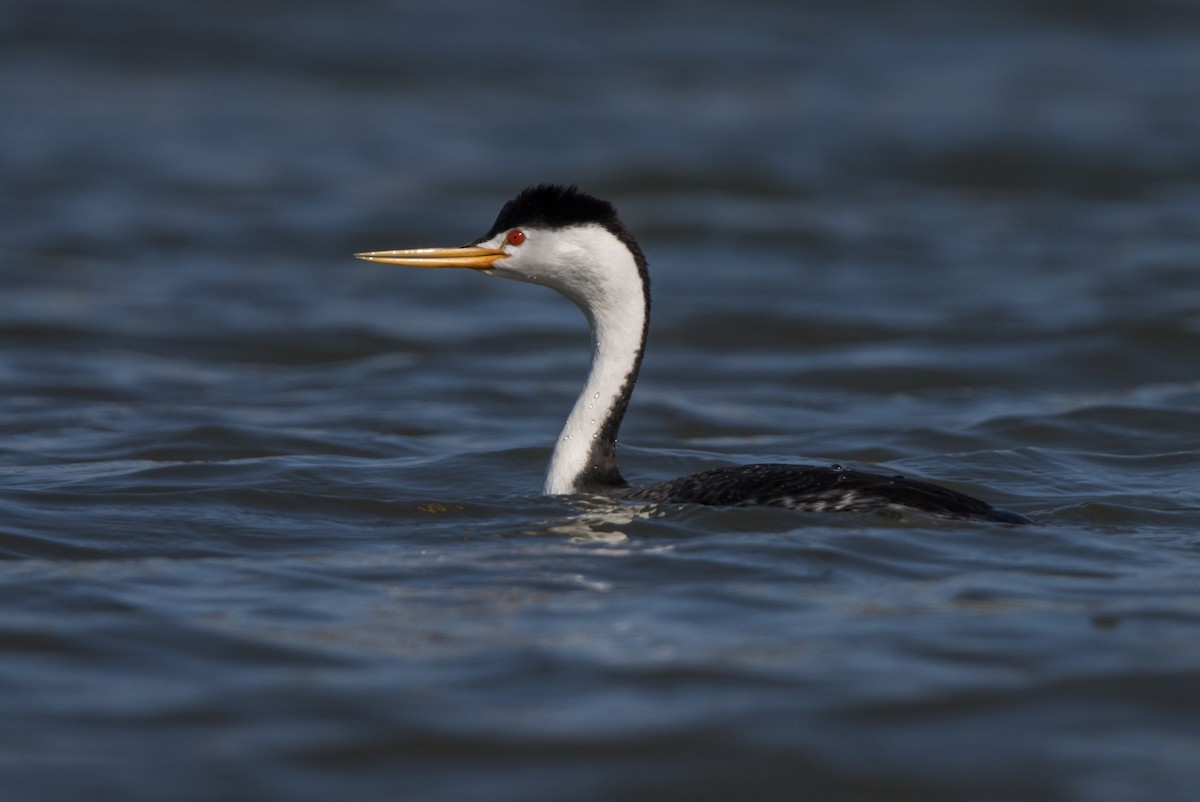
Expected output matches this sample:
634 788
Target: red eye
516 236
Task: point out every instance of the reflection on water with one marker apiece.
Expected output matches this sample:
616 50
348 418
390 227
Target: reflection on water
270 517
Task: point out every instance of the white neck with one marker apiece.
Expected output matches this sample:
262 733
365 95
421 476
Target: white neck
615 304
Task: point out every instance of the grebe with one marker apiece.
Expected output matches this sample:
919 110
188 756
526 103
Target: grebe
576 244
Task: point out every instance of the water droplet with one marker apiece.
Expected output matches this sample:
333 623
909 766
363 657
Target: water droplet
597 395
836 467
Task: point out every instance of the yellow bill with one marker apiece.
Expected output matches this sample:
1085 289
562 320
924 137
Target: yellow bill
477 258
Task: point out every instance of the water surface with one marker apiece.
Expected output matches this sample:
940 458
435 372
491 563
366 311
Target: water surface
271 520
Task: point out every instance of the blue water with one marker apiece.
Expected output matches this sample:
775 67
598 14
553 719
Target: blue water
270 518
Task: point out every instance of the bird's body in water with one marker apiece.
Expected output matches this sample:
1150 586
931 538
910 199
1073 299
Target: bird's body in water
576 244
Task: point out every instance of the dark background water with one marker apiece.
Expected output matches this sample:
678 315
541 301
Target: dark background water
270 517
